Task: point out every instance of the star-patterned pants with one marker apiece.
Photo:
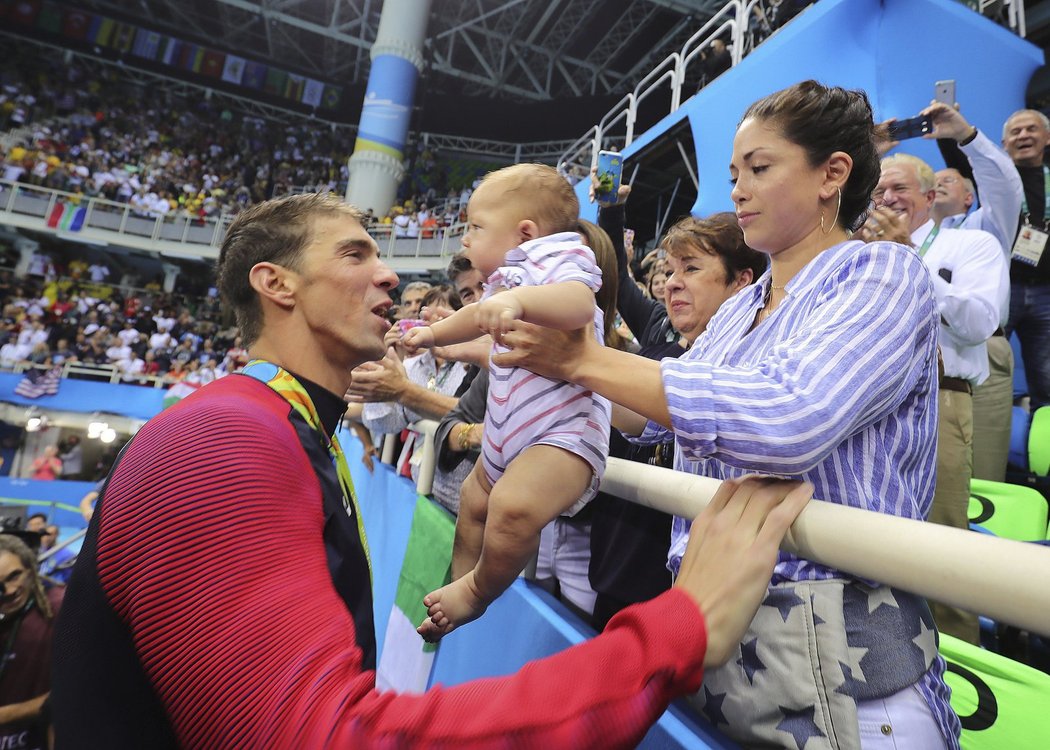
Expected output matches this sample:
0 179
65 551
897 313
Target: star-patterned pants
815 650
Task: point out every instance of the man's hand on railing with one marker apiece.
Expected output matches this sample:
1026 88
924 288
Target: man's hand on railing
369 452
733 547
384 380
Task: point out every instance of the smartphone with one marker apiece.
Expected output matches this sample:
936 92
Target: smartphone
944 92
407 324
913 127
610 172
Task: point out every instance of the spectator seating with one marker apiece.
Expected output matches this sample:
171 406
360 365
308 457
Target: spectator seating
1039 443
1008 510
1001 703
1019 427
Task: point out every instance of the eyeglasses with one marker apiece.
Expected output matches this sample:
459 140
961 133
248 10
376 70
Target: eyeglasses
948 180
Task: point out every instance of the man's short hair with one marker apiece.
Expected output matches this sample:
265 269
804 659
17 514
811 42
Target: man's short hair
544 195
459 265
275 231
1045 120
923 171
416 286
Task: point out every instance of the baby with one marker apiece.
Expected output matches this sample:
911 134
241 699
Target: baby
545 441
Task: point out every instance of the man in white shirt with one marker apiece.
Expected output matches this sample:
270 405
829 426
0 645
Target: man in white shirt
118 351
1000 204
160 341
1026 136
969 275
131 366
128 335
99 272
33 334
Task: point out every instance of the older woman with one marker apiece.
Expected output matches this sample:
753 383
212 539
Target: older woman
825 369
706 262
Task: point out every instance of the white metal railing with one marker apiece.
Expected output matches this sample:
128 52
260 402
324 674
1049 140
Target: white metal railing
106 373
735 20
425 449
120 224
976 572
432 242
52 551
25 200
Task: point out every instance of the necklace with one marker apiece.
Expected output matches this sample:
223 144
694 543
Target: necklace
764 312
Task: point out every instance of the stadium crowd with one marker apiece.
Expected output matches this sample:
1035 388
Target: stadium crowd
93 132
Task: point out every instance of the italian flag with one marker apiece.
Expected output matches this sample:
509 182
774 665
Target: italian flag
178 392
405 663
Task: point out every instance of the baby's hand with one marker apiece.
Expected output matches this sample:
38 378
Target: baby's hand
496 314
420 337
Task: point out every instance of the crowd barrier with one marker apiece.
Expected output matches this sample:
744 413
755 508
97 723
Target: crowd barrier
87 396
97 220
979 573
1000 701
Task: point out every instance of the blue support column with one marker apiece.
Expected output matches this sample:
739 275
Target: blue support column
397 59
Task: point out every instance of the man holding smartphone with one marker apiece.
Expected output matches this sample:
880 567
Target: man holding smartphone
969 152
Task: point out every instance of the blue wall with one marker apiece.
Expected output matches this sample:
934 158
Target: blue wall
525 623
895 50
85 396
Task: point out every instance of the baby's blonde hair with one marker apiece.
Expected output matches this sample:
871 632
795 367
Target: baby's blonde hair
544 196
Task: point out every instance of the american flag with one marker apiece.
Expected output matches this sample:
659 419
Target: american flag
38 382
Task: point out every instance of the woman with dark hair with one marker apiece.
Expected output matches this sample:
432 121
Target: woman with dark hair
825 370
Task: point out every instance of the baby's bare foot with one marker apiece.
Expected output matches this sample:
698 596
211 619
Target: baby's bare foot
451 606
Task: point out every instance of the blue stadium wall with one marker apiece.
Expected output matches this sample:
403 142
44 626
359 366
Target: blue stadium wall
895 50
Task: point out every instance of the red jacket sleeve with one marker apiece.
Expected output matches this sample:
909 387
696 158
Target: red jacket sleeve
214 559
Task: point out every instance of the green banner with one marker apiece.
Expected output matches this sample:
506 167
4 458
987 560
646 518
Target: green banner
427 559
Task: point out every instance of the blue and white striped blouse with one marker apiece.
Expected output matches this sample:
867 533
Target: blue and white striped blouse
837 386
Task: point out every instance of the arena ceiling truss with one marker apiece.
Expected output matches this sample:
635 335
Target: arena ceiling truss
535 50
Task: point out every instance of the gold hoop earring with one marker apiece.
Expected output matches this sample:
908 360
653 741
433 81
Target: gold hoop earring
838 207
